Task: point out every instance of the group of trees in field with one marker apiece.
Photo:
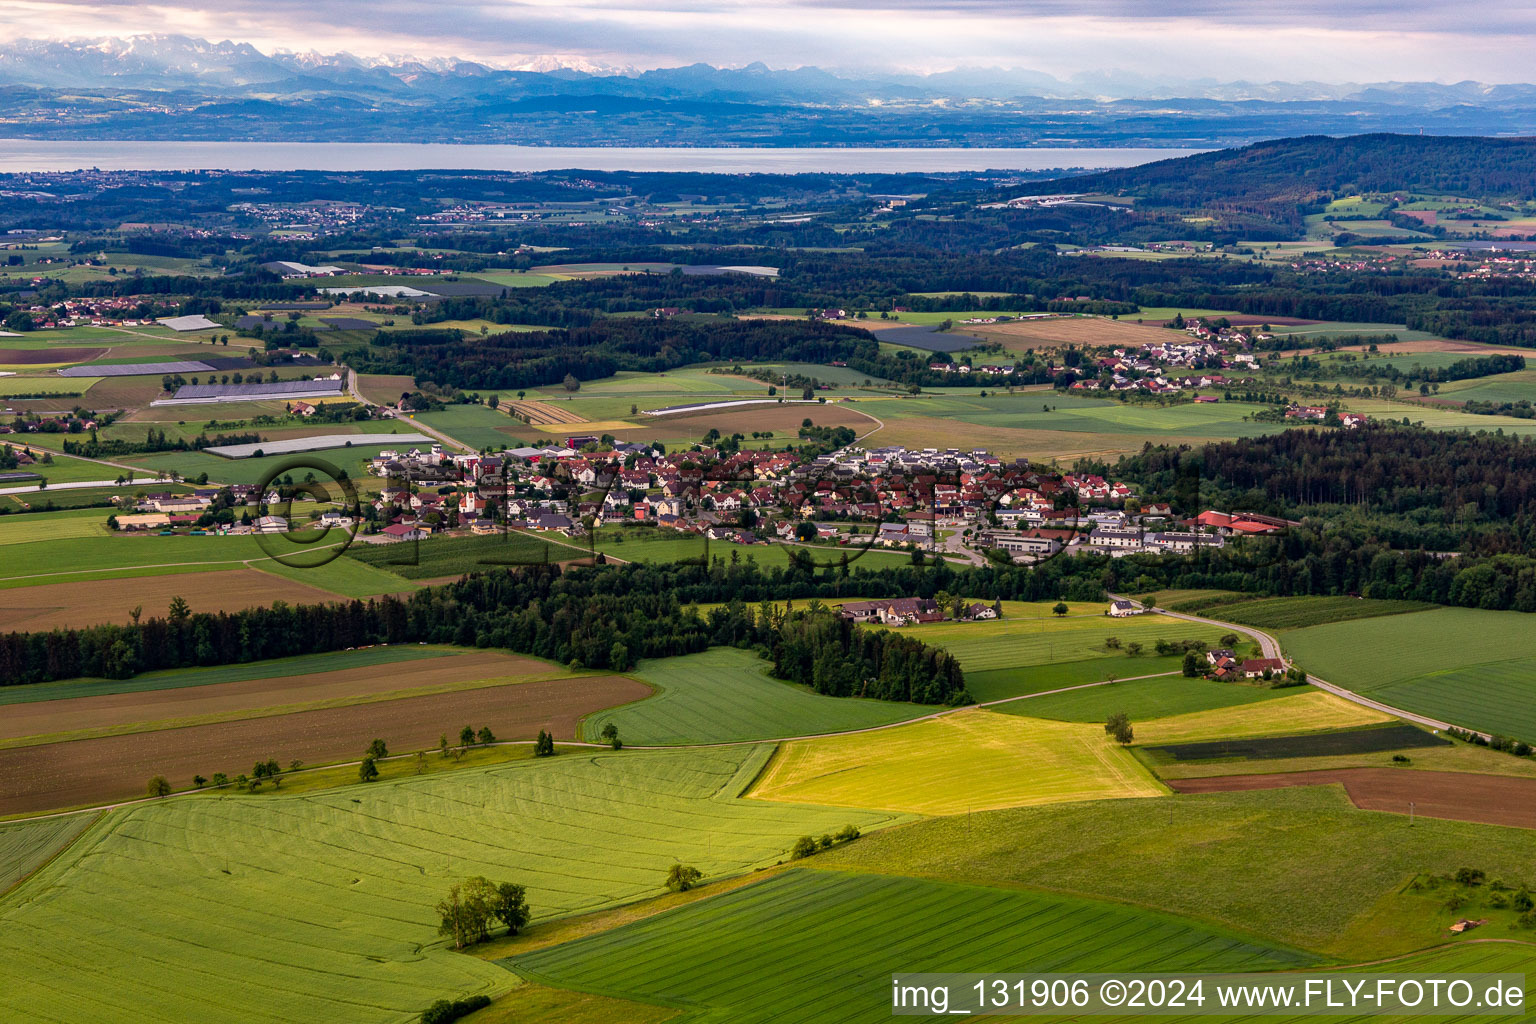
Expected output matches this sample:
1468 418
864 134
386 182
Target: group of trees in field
830 654
471 909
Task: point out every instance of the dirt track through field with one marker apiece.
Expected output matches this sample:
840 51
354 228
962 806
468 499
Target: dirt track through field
1460 796
113 768
70 714
77 604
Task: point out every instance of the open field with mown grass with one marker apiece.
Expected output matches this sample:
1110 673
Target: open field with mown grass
724 695
833 938
1461 665
325 900
970 760
1302 866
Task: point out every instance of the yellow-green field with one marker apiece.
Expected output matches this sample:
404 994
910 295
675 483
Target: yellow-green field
1304 712
969 761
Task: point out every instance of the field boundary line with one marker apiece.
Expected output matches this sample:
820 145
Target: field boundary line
56 854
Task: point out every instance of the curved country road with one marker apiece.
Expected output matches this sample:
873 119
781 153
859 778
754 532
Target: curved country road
1271 649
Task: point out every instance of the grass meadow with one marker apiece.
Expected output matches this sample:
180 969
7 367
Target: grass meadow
1142 699
319 906
1302 866
971 760
724 695
1021 641
1461 665
833 938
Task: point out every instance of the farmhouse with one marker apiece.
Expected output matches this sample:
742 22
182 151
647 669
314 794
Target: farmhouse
1256 667
897 611
1120 609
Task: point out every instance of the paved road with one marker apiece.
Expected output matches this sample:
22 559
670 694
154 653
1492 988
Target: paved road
1271 649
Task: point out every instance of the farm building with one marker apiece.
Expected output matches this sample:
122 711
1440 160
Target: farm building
1120 609
896 611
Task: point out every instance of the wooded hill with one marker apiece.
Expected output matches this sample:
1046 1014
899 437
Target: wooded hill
1279 176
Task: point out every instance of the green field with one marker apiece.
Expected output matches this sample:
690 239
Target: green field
324 900
478 426
723 695
89 522
454 556
115 557
646 545
833 939
969 760
1460 665
1141 699
1302 866
1519 386
172 679
1299 612
27 845
1087 415
1017 641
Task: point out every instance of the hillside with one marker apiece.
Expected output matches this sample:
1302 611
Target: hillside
1313 168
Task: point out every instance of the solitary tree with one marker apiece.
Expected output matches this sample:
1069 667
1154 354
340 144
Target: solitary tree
1134 648
377 749
510 906
682 877
485 735
1059 609
467 736
454 918
158 786
442 744
610 736
367 771
544 746
199 782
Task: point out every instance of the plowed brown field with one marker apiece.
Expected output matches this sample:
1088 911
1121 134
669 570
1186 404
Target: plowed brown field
93 771
1461 796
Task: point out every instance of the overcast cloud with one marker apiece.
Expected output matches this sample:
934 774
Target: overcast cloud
1289 40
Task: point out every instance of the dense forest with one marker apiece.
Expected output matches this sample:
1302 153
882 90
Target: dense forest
1473 493
1282 179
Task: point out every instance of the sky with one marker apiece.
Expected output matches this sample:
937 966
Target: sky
1225 40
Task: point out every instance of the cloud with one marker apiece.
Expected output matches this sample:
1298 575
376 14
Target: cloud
1224 39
